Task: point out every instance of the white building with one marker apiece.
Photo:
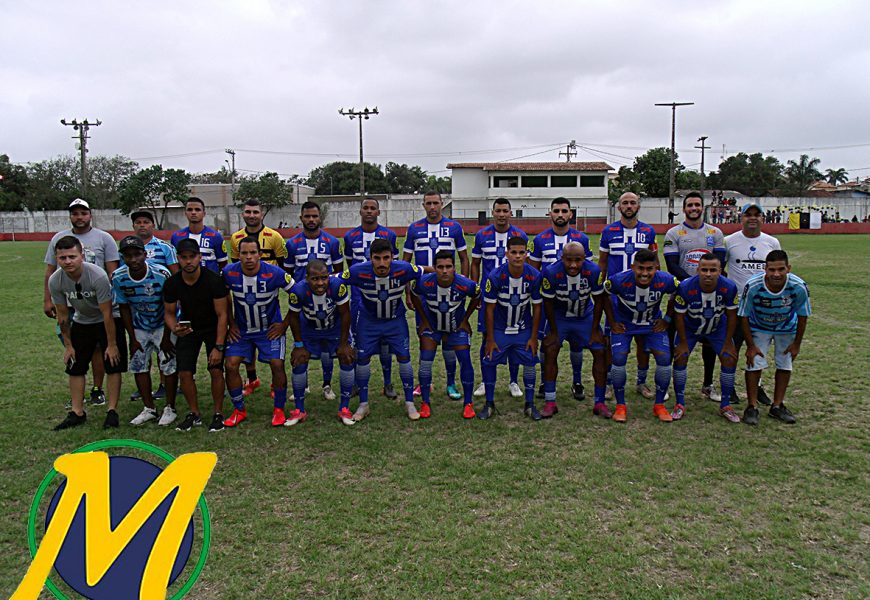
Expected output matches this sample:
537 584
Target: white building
530 187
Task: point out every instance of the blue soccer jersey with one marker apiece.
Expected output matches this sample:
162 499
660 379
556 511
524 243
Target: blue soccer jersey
424 240
211 245
318 313
445 306
513 298
546 247
704 310
621 242
160 252
381 297
255 297
572 294
638 308
490 246
357 243
301 249
144 296
774 312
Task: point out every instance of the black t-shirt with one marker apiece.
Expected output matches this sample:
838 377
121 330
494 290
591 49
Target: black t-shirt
197 300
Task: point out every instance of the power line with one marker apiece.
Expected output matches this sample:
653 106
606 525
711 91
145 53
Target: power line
82 127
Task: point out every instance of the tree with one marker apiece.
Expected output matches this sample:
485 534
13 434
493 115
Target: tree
154 188
341 177
653 169
802 173
443 185
53 183
402 179
13 184
268 188
224 175
626 181
836 176
106 174
750 174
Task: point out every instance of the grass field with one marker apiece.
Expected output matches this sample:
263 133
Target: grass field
570 507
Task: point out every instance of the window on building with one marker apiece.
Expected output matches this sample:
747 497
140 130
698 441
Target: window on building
592 181
568 181
518 214
506 181
535 181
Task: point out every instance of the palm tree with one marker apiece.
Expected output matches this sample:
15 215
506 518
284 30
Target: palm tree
803 173
836 177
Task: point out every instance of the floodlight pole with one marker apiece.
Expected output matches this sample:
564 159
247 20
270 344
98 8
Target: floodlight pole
672 184
360 114
82 127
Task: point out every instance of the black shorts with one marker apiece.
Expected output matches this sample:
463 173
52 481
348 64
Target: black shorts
87 338
187 349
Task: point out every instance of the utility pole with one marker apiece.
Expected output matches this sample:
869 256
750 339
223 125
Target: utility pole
82 127
232 164
570 150
672 184
702 147
360 114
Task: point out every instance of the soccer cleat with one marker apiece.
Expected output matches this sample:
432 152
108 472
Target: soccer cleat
608 392
412 411
417 391
601 410
487 412
389 392
345 416
468 411
750 415
532 412
481 390
237 417
160 394
728 413
678 413
453 393
98 398
296 416
515 390
278 417
550 409
763 398
643 390
328 394
147 414
71 420
425 411
540 394
578 392
662 413
362 411
781 413
249 387
136 396
168 417
217 423
111 420
620 415
189 422
710 393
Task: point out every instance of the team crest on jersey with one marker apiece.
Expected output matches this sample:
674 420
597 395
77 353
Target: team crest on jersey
148 289
531 246
294 299
488 285
679 300
342 290
680 232
606 283
546 284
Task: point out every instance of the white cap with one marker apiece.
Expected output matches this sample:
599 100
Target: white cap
79 203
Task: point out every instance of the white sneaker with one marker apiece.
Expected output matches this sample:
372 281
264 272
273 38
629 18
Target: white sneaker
711 393
480 390
328 394
412 411
168 416
362 412
516 392
147 414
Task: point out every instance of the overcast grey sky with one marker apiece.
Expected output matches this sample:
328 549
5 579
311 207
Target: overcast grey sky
170 78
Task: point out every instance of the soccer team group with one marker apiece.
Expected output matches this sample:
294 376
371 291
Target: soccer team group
348 303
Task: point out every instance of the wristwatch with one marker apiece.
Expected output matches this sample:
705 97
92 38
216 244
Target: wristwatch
220 347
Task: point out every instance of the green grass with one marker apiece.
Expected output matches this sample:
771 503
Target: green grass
570 507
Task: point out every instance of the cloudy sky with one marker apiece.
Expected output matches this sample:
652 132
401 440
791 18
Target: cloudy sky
514 78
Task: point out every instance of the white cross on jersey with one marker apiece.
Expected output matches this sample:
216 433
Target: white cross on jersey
643 305
551 255
367 239
443 307
497 252
386 293
515 299
437 238
254 303
321 313
575 296
626 248
709 314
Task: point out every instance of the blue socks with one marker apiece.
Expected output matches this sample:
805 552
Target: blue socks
549 391
466 374
663 381
529 383
300 382
238 398
618 374
387 364
449 365
281 397
514 369
726 385
326 363
577 366
427 357
406 373
641 376
488 373
363 374
345 378
680 375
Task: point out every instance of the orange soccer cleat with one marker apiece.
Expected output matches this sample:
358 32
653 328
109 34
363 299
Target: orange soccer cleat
425 411
237 417
620 415
278 417
468 412
662 413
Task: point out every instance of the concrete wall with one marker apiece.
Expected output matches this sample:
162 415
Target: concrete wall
655 210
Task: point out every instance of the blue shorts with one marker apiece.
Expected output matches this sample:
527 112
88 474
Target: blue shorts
319 342
450 338
510 347
656 342
578 333
267 350
371 333
716 340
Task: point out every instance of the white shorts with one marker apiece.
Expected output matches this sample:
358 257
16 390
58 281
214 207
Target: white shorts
150 340
780 342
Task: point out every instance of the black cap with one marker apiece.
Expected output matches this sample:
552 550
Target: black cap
187 245
142 213
131 241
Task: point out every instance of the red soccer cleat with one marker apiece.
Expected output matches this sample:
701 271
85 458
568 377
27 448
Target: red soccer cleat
237 417
297 416
550 409
662 413
278 417
425 411
601 410
250 387
468 412
345 416
621 414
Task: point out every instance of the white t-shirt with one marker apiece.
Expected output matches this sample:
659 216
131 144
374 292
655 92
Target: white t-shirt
745 256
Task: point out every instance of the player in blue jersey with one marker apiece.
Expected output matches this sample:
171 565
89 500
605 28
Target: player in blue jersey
774 308
513 315
137 289
705 310
619 242
255 324
423 240
489 253
320 320
211 242
634 312
357 243
573 302
439 299
381 282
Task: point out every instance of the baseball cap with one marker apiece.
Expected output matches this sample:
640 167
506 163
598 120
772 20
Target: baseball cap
131 241
142 213
749 205
79 203
187 245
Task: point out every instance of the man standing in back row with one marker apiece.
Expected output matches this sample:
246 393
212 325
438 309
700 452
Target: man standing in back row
211 242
